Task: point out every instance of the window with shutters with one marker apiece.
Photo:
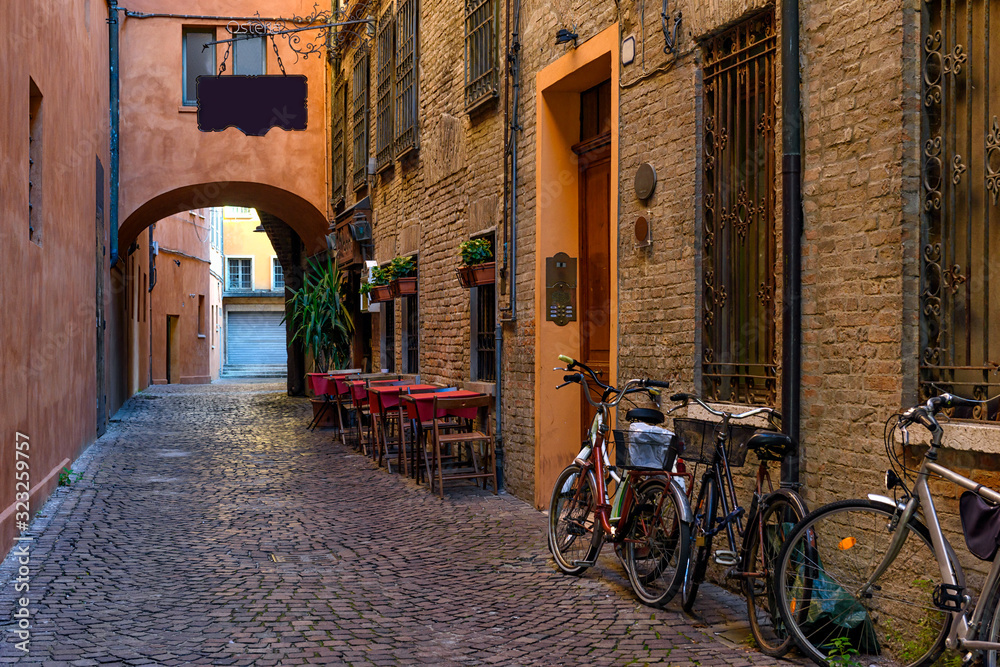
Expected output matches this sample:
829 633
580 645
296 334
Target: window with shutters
960 202
738 279
359 110
482 79
339 161
384 132
406 77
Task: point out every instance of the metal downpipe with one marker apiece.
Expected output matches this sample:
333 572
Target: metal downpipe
791 189
114 124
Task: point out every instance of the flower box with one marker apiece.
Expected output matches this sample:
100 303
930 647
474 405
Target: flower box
477 274
404 286
380 293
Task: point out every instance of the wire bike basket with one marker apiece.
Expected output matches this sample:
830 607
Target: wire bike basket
698 437
645 450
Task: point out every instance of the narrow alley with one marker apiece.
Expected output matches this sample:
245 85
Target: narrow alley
208 526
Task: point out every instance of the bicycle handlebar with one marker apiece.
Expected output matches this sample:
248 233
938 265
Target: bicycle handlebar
682 396
630 387
925 415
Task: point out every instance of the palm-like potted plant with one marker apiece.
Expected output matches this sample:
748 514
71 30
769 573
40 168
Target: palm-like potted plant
379 285
319 315
478 266
404 280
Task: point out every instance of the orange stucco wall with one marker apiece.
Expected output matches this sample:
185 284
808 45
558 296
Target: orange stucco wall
240 240
182 280
557 413
168 166
48 341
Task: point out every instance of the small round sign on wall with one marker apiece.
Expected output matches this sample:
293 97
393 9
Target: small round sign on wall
645 181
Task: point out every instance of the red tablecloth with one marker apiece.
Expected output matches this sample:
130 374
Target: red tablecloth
390 394
420 406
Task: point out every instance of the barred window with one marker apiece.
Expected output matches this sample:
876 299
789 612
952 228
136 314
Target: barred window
738 279
411 334
339 162
482 79
960 193
406 77
383 92
360 115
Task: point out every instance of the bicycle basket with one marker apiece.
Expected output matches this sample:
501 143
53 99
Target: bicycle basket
645 450
699 436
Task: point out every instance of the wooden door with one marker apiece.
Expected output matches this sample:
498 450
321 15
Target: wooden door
594 289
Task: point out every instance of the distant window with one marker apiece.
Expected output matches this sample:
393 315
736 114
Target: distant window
197 60
250 57
483 330
482 80
389 336
411 335
278 275
240 273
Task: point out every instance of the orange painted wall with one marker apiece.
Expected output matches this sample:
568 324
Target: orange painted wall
48 341
182 279
168 166
240 240
557 413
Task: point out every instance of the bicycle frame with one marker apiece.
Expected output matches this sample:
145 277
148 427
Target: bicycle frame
921 499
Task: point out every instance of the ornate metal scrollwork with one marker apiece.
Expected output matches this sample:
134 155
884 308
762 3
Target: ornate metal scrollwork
993 161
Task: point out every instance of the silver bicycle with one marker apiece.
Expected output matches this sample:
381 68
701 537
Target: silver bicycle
875 582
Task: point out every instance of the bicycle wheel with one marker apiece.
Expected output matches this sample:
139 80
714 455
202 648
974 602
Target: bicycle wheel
701 544
991 626
574 534
656 545
822 567
777 515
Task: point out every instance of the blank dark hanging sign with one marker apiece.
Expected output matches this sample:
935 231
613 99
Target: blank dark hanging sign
252 104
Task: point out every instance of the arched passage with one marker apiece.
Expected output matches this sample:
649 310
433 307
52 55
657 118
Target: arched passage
303 217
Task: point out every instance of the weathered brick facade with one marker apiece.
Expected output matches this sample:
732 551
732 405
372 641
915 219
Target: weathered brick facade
861 159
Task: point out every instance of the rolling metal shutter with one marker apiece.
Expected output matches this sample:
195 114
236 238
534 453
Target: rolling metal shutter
255 338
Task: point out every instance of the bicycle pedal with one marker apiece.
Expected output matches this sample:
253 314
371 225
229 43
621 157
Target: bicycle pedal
726 558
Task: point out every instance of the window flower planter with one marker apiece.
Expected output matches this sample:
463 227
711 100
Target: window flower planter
381 293
404 286
478 274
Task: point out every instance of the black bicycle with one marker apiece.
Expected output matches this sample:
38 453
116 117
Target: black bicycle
721 446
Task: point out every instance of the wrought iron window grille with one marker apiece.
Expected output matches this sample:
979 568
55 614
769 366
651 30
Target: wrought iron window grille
739 355
360 90
339 158
407 73
384 131
960 192
482 73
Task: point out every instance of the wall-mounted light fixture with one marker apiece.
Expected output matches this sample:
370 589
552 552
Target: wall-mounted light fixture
260 228
564 36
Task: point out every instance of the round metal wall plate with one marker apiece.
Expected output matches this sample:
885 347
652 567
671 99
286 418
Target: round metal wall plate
641 230
645 180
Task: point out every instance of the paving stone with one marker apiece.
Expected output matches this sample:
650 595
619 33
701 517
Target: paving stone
153 559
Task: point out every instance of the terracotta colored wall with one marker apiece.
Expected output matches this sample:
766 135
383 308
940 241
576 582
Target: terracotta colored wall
169 166
48 345
182 276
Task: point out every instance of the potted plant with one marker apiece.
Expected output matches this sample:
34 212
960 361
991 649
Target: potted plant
320 319
380 290
478 266
404 280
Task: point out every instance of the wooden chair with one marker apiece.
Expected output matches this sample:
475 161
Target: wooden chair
481 447
386 423
418 432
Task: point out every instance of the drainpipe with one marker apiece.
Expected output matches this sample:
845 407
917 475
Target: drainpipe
791 188
113 62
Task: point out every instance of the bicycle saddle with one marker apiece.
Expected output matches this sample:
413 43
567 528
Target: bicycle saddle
770 445
647 415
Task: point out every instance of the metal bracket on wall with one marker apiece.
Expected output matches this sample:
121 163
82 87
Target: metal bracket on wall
669 40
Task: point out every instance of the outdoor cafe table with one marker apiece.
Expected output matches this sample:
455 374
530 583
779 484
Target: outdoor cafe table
383 399
420 408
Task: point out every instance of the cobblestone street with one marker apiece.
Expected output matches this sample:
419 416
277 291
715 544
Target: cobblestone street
209 527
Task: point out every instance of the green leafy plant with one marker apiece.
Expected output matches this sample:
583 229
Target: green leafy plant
842 653
475 251
380 276
401 267
366 287
67 477
319 315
